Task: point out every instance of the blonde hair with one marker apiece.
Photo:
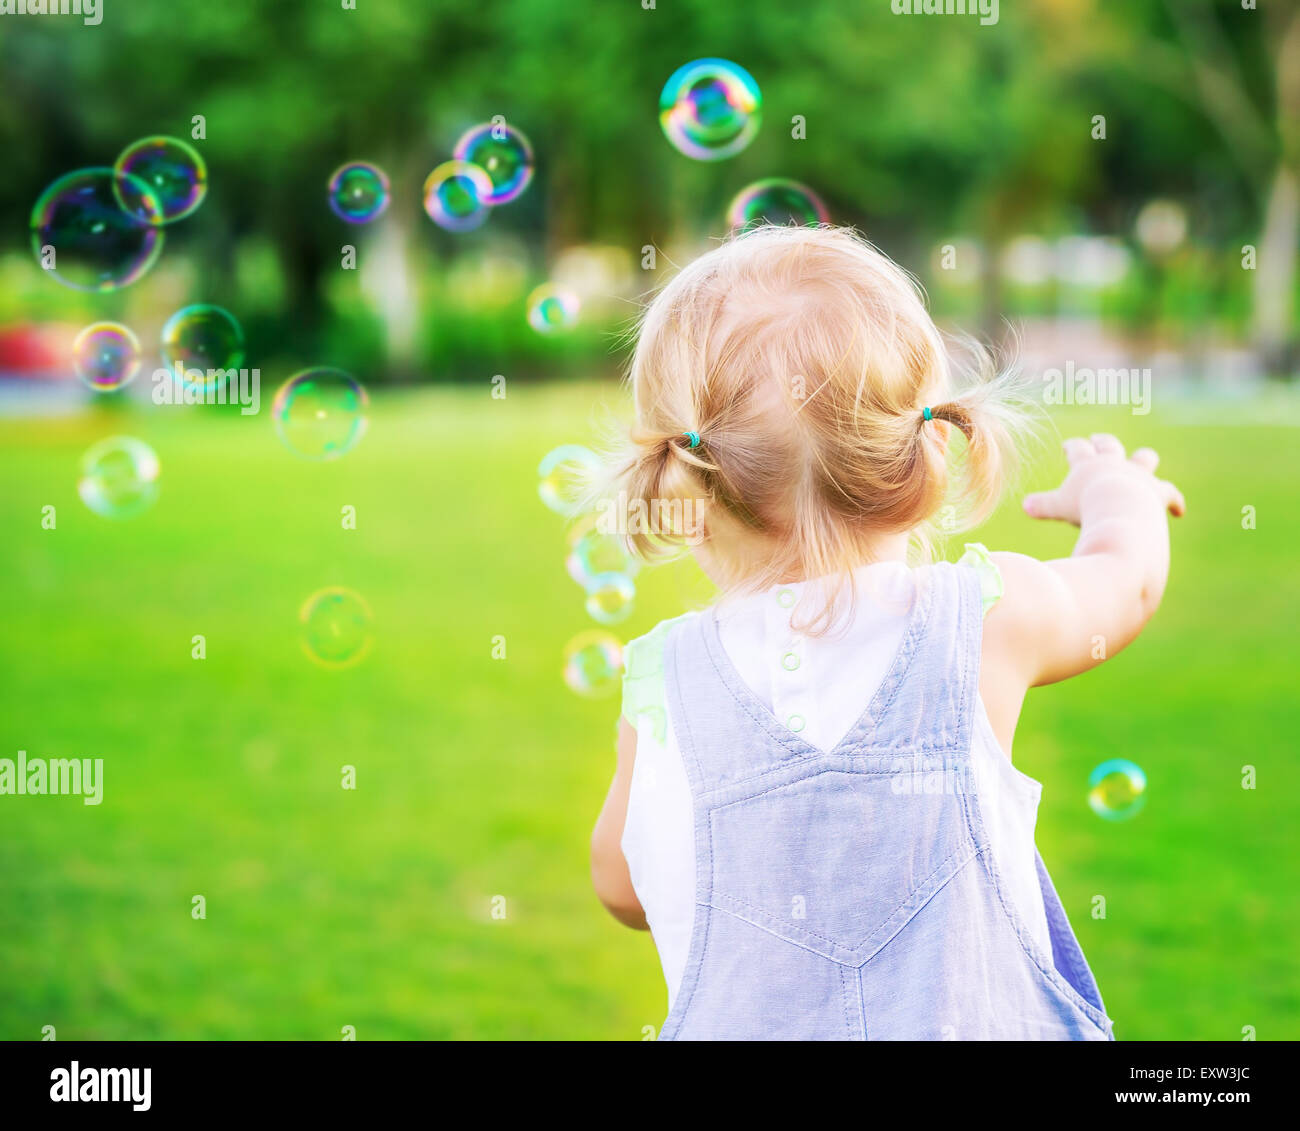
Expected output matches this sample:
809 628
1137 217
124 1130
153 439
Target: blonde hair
803 359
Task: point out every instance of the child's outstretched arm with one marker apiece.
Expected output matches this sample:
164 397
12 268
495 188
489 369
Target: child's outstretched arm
1060 618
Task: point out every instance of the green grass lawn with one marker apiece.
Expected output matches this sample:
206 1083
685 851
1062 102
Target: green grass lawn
480 778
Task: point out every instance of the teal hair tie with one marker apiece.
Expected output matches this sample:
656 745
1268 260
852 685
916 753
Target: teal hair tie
694 438
927 413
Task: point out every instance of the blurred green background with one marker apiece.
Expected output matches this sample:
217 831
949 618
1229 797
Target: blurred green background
479 778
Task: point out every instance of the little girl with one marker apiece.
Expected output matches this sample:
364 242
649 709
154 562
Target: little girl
815 810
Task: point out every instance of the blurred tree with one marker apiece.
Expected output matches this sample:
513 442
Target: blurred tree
1239 66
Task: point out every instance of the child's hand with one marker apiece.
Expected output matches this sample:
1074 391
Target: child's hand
1054 615
1098 466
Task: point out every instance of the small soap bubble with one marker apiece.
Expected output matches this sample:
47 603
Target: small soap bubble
776 200
610 597
593 552
503 153
552 308
106 355
320 413
457 196
173 169
1117 789
564 475
205 341
336 630
358 192
710 109
119 477
593 664
87 238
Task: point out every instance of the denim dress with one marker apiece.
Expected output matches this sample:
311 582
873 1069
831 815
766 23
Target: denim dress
852 894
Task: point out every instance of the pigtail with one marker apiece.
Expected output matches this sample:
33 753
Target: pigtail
993 412
661 480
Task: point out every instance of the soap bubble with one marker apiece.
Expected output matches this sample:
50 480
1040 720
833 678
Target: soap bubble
106 355
710 109
335 627
552 308
564 475
205 341
503 153
776 200
119 477
593 664
457 195
85 238
358 192
172 168
1117 789
610 597
593 552
320 413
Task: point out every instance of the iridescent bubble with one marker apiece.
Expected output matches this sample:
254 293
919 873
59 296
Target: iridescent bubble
119 477
358 192
610 597
106 355
593 552
335 627
206 342
1117 789
552 308
564 475
710 109
776 200
503 153
172 168
593 664
457 196
320 413
85 238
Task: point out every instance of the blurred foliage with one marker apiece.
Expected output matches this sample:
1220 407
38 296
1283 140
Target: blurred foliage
919 130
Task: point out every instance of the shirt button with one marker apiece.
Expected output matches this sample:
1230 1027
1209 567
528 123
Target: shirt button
789 661
785 598
796 723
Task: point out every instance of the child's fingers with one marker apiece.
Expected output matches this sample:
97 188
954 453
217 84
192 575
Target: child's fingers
1077 448
1145 458
1173 499
1045 504
1107 445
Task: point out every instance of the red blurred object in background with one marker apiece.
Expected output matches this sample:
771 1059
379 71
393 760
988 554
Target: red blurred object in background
36 351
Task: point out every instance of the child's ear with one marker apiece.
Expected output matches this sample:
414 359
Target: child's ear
697 533
695 526
945 433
